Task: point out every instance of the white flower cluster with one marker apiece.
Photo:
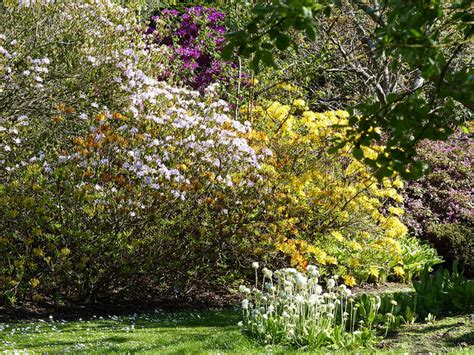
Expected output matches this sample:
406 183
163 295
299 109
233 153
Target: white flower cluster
183 134
31 85
173 135
292 307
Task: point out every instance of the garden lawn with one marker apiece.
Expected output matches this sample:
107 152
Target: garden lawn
198 331
162 331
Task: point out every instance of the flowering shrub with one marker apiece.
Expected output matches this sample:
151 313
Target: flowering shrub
193 39
440 205
331 211
292 308
113 180
114 183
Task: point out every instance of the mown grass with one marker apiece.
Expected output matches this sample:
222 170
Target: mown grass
203 331
449 334
162 331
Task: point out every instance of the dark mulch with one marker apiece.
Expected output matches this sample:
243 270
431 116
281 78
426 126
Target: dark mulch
32 311
387 287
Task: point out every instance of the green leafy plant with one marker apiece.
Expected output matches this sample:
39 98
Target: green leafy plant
416 257
112 182
444 292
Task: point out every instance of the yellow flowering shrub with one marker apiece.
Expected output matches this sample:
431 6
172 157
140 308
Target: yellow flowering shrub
328 208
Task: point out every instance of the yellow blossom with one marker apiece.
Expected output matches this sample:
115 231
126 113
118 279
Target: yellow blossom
349 280
398 183
65 252
394 228
337 235
34 282
299 103
396 210
374 271
398 271
355 245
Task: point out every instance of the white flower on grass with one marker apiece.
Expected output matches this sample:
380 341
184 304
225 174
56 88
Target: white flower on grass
299 299
312 270
331 283
245 304
255 265
267 273
312 300
301 280
244 289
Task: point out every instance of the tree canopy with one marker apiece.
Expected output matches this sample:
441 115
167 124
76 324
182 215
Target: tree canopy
416 55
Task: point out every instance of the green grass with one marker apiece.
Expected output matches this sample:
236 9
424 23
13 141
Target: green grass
445 335
171 332
196 332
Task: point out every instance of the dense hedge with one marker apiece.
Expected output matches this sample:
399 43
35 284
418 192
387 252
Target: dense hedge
440 205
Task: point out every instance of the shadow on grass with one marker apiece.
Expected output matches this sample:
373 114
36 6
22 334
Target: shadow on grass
71 343
164 319
466 339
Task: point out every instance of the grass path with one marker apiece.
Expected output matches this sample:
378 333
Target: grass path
198 332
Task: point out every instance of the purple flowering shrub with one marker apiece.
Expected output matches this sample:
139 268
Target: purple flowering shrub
440 205
194 37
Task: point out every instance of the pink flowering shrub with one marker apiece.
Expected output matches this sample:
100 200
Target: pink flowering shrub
440 205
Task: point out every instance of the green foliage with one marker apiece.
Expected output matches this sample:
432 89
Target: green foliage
444 292
428 38
455 242
118 186
417 256
395 309
278 18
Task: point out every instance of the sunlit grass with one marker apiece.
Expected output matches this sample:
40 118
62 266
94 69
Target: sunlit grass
195 331
183 331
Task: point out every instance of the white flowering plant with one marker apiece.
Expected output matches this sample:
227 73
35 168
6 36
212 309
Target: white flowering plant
110 177
292 307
